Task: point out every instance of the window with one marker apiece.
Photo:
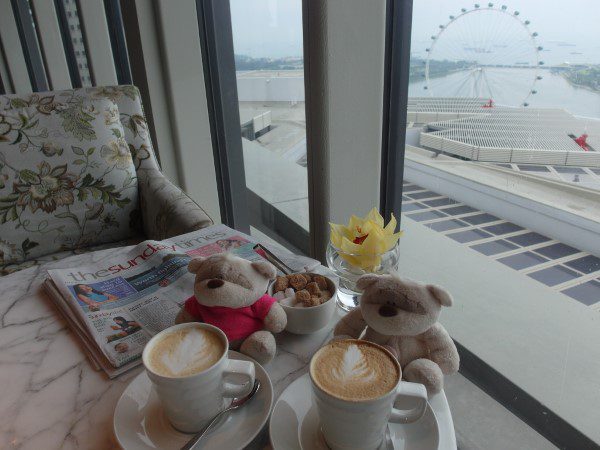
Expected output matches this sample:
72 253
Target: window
501 193
267 39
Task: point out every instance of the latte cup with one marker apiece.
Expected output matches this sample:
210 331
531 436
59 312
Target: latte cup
191 400
352 421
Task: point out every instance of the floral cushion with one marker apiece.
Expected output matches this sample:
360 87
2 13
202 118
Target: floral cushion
67 178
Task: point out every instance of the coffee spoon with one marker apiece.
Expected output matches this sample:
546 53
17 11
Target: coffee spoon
235 404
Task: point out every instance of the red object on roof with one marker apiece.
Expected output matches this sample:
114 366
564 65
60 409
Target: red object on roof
582 142
489 104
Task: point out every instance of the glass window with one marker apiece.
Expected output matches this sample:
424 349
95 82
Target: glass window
76 36
503 118
267 38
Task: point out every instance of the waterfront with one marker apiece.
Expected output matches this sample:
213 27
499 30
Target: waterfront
509 85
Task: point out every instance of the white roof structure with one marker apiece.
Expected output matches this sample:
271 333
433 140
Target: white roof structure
506 134
433 109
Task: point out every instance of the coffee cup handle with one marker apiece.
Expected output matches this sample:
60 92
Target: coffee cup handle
243 369
414 390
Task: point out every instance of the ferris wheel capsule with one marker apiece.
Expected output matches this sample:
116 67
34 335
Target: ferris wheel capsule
540 48
527 22
441 27
525 104
425 87
504 7
433 38
464 10
451 17
516 13
541 63
533 91
534 34
539 77
491 5
476 5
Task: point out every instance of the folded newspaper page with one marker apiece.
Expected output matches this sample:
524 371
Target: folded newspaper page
116 305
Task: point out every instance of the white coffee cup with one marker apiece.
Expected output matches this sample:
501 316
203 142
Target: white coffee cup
191 401
360 424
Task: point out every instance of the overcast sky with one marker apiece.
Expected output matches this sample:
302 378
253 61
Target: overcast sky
273 28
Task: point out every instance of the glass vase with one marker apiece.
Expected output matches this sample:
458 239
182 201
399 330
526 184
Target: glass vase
340 262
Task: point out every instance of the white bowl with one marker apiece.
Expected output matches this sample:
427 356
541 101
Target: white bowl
313 318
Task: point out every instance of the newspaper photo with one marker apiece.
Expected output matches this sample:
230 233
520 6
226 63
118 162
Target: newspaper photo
118 304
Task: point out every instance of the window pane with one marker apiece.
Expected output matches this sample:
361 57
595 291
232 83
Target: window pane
267 38
77 41
502 187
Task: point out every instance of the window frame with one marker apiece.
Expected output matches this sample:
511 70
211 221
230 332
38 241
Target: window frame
240 207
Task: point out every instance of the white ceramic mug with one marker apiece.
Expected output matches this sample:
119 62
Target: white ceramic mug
191 401
361 424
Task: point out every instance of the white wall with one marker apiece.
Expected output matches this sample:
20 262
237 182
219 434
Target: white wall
345 108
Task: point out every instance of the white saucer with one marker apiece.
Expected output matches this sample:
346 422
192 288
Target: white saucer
139 422
294 424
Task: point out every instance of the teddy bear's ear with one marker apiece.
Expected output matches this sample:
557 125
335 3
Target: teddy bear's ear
265 269
366 280
195 264
440 294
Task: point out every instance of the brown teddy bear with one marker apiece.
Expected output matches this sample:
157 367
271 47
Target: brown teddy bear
402 315
229 293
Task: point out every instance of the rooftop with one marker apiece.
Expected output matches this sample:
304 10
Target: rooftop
473 130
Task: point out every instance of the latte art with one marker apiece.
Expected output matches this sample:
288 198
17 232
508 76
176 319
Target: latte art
185 352
354 370
354 367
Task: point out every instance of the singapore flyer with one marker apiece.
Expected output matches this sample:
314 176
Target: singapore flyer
480 52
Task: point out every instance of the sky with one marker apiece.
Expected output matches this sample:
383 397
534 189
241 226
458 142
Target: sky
273 28
267 28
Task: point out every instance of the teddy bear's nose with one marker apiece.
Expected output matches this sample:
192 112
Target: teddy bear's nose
387 311
215 283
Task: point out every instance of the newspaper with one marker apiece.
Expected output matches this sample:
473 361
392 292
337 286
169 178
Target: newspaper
116 305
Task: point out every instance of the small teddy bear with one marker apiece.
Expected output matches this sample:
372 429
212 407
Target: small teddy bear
229 293
402 315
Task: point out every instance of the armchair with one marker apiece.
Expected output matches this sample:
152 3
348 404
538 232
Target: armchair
78 173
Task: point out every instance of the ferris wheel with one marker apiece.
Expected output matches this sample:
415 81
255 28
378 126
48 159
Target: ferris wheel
485 51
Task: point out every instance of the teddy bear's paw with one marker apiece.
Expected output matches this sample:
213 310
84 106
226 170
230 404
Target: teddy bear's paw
426 372
260 346
393 350
183 317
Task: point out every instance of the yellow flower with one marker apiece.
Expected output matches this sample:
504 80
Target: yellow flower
363 241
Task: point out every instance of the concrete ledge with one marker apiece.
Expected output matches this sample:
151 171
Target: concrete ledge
567 213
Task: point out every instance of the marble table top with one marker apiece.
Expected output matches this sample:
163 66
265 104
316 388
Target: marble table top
52 398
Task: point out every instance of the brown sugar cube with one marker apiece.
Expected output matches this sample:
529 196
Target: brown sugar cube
307 276
321 282
325 295
281 284
313 301
303 296
313 288
297 281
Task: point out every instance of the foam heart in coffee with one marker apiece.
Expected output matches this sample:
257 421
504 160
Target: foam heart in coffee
354 370
184 352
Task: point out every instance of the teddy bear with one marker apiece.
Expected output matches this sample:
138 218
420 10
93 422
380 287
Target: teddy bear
402 315
229 293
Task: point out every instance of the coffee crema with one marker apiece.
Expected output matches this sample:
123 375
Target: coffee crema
354 370
185 352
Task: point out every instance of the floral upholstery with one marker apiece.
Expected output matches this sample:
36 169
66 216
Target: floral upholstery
71 163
